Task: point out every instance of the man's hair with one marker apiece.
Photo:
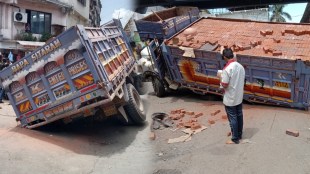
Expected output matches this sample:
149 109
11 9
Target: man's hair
228 53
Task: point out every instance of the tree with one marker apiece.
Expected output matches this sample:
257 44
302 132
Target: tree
277 13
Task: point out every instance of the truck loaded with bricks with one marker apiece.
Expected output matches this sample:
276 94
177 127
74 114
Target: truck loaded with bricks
276 58
82 72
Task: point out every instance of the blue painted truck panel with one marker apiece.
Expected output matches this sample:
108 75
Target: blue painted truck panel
271 79
167 23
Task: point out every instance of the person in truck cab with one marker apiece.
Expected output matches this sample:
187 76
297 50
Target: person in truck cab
232 81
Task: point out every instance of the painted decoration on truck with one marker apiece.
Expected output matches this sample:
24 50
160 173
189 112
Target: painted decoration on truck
50 66
32 77
56 78
36 88
19 96
41 100
77 67
24 107
62 91
191 72
15 86
56 52
59 109
72 55
83 81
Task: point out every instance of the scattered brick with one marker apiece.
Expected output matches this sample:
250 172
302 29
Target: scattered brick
292 132
193 120
180 124
195 126
152 136
183 111
176 116
224 117
173 112
190 113
210 121
215 112
277 53
198 115
276 40
187 124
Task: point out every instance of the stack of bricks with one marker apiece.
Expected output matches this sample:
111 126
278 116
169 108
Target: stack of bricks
188 122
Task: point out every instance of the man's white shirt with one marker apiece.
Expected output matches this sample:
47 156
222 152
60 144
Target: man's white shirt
233 75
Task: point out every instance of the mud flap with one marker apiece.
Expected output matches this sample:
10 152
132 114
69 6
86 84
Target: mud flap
124 116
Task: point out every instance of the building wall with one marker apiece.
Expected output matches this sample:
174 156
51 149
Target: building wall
255 14
79 14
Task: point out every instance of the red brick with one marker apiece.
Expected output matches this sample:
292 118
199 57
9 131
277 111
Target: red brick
152 136
190 113
215 112
173 112
224 117
277 53
292 132
193 120
195 126
187 124
210 121
180 124
175 116
198 115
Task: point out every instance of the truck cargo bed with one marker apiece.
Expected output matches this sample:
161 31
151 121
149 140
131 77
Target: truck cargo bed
165 23
276 58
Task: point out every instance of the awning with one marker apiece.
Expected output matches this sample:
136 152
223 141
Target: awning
30 45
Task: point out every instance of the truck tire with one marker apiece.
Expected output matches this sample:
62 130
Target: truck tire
159 87
134 108
140 86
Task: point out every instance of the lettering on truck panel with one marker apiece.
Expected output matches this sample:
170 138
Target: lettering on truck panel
36 56
38 87
77 68
59 109
19 96
56 78
46 50
19 66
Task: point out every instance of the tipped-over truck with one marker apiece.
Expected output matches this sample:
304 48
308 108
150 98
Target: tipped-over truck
82 72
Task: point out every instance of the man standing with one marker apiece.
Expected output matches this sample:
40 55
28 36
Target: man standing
232 80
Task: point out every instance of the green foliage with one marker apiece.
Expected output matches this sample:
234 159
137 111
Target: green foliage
45 37
27 37
277 13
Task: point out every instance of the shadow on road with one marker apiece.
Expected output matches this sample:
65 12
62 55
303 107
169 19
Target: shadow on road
103 138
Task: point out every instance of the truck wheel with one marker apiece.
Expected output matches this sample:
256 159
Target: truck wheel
134 108
159 87
140 86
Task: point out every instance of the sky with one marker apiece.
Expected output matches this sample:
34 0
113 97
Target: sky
115 9
120 8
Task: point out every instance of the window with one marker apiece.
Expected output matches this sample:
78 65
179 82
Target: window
40 22
83 2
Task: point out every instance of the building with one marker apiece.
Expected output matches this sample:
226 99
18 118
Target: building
306 16
94 13
256 14
24 23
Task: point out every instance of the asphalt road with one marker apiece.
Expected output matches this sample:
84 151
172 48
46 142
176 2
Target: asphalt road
107 147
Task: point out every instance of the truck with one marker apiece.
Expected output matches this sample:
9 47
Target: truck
83 72
163 24
275 57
